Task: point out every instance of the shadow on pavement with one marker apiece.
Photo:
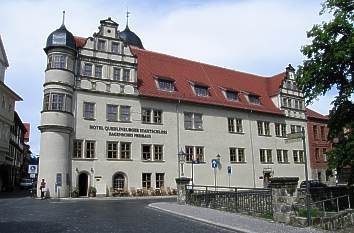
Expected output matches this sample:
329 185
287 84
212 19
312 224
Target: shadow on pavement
15 194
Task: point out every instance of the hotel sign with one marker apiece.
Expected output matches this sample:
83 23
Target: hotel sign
117 131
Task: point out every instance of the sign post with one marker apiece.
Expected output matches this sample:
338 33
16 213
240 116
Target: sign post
229 171
214 165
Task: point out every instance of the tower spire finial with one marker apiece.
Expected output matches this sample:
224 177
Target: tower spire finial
128 13
63 23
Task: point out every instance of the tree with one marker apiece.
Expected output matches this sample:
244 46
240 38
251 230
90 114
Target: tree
329 63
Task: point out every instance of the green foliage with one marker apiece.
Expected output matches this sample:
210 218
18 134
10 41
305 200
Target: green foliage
329 64
313 212
267 215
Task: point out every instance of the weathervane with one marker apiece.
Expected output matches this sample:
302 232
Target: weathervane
128 13
63 18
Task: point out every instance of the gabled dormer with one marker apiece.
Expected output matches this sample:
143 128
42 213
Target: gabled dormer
108 28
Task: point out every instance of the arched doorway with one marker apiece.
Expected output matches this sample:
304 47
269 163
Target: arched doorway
83 184
119 181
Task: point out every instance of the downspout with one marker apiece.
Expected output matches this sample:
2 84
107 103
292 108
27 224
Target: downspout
252 154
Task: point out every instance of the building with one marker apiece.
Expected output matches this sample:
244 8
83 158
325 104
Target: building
318 145
7 106
116 116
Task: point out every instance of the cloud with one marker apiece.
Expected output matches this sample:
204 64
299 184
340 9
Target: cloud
254 36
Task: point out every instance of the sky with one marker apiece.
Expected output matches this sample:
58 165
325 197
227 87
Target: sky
255 36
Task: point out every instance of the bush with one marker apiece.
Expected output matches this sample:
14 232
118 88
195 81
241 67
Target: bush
314 212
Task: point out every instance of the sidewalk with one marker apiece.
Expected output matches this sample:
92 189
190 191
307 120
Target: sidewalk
232 221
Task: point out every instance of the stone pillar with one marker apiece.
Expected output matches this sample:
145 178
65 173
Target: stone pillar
181 189
283 195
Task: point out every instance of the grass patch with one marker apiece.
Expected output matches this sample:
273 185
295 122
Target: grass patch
303 212
267 215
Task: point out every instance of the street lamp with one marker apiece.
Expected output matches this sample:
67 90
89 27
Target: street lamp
181 160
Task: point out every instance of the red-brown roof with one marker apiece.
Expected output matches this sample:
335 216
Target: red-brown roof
152 65
80 41
28 129
315 115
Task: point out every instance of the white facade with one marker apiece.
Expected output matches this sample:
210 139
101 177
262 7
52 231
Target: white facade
99 134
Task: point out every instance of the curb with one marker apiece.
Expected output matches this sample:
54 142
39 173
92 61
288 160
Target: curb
228 227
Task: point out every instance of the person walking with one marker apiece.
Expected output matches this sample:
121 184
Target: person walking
43 189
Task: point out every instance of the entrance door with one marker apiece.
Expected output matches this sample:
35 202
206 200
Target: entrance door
83 184
266 179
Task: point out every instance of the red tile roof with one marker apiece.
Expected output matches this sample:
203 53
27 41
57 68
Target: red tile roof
152 65
80 41
28 129
315 115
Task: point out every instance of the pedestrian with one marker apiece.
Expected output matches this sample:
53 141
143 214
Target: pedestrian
43 189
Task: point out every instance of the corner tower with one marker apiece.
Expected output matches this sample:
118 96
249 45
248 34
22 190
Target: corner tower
57 114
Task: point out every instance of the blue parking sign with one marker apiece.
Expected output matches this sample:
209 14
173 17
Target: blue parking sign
229 169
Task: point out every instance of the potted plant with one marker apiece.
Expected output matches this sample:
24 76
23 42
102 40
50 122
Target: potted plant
75 192
92 191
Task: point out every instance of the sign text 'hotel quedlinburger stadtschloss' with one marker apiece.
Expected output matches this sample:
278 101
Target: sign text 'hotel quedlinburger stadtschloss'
127 131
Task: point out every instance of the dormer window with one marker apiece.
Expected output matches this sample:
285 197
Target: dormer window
201 90
166 85
231 95
115 47
254 99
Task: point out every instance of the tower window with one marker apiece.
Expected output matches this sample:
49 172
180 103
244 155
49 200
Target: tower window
57 102
57 61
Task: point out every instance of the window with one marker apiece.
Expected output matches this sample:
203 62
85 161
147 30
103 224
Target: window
231 95
77 149
57 101
112 112
280 130
199 153
296 128
124 113
166 85
101 45
89 110
157 116
116 73
160 180
297 104
254 99
324 150
125 150
189 153
193 121
317 154
282 156
285 102
146 179
237 155
57 61
315 133
232 122
298 156
158 153
265 155
87 69
301 105
126 75
112 150
201 90
146 150
90 149
146 115
323 136
115 48
263 128
98 71
289 103
45 102
118 181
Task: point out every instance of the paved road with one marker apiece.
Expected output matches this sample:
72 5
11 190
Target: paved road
23 214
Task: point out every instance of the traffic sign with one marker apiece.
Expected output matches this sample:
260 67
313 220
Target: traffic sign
32 169
229 170
214 163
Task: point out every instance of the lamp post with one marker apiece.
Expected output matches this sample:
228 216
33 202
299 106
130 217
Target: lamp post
181 160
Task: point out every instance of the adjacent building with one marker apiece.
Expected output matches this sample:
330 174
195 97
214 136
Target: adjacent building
319 145
116 116
7 106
